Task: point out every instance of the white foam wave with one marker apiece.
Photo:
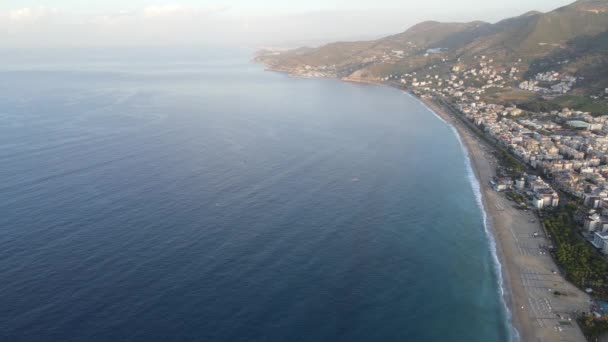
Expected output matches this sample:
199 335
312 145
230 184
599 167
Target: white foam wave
475 185
436 115
427 108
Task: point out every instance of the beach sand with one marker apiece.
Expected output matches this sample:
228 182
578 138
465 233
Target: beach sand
528 275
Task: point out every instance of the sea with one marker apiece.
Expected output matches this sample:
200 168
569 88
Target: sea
187 194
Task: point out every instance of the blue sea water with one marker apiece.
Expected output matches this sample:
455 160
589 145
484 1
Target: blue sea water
146 196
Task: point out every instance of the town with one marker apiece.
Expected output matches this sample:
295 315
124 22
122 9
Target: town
567 148
532 110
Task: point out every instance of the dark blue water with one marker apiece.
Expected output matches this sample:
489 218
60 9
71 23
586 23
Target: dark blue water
208 200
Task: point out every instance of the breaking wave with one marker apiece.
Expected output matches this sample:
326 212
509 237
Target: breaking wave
476 186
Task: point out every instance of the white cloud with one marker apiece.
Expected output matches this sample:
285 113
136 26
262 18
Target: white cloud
180 24
154 25
166 10
30 14
253 25
180 11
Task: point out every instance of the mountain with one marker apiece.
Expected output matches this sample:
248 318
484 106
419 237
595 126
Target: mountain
430 34
577 32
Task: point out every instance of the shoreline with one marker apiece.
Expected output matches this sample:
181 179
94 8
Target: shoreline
526 276
496 250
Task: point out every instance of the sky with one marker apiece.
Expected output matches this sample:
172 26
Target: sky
287 23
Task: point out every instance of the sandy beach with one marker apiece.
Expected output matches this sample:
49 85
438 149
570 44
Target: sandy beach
530 276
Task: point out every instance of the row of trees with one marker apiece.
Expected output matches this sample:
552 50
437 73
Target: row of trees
582 265
592 327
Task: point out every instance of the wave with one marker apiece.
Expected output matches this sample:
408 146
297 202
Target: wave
435 114
493 248
476 186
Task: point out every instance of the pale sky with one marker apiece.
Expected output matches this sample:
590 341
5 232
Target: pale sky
36 23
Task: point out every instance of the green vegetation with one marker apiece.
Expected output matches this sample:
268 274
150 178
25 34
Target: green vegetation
430 34
513 166
384 70
493 93
574 102
582 103
592 327
508 97
539 105
517 198
582 265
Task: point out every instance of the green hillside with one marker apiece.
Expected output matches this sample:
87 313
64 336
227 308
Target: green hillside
577 33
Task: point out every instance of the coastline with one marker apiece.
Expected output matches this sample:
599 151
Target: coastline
305 76
527 276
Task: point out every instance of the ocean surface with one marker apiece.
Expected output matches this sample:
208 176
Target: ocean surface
192 196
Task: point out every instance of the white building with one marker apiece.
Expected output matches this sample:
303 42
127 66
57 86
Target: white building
502 183
538 201
520 184
593 201
600 241
545 198
593 222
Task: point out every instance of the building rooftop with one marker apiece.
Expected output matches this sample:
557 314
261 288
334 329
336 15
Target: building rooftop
577 124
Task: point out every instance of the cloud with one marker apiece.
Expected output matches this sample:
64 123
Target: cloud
165 12
180 11
157 11
258 24
30 14
176 11
181 24
153 25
